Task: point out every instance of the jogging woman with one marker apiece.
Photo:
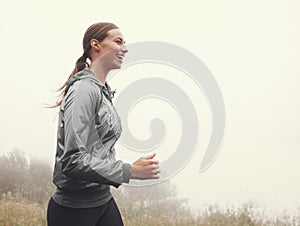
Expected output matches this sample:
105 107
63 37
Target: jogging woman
88 128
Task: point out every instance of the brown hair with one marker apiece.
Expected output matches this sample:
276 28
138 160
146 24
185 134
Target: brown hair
96 31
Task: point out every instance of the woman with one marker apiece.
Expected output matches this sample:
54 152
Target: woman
88 127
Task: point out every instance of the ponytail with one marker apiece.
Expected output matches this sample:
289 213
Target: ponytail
79 66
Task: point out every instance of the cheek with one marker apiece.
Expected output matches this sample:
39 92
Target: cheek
116 47
113 50
109 53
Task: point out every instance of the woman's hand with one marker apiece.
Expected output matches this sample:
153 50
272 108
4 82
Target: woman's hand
145 168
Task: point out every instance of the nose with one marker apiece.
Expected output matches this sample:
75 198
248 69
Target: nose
124 49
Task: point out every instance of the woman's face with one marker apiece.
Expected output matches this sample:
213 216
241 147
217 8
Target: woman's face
112 50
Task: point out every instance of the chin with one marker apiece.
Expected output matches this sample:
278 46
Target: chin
117 65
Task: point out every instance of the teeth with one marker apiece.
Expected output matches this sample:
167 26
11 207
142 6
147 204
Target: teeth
120 56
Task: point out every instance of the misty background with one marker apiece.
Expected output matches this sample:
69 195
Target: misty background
251 48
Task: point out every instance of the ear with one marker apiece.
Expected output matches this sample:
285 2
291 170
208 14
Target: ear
95 45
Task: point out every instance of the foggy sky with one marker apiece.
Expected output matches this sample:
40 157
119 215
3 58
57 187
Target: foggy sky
251 47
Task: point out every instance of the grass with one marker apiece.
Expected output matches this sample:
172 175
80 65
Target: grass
17 211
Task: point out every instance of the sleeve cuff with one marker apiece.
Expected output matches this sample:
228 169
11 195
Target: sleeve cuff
126 172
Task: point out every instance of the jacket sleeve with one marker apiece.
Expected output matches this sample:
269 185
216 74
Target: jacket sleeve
79 122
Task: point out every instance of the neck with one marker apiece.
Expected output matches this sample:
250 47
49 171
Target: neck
99 70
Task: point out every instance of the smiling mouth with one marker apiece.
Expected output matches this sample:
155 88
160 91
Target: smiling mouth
120 56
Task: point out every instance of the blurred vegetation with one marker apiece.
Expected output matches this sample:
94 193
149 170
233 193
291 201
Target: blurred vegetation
29 178
26 186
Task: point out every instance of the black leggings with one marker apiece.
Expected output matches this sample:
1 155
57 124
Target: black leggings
105 215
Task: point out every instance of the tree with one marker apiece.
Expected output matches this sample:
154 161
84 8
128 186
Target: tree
32 179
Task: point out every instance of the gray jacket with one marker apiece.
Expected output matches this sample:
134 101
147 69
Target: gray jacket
88 127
